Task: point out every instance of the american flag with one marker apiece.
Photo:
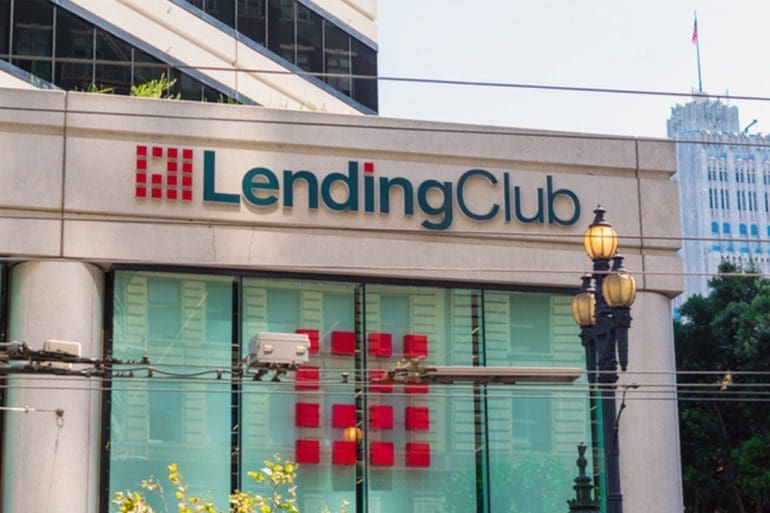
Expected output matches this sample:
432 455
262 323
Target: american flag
694 38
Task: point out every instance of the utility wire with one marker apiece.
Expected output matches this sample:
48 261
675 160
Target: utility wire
372 124
499 392
235 68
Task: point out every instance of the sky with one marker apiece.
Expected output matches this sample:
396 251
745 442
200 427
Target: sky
614 44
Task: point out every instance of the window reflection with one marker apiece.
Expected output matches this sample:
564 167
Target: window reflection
5 18
309 40
425 448
280 28
337 58
33 36
74 52
252 20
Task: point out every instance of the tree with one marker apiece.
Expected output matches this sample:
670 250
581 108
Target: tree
277 478
725 435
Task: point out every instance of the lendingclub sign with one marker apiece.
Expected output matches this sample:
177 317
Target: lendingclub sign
359 189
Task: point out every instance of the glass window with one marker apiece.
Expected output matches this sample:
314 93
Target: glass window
280 28
754 230
458 447
161 420
533 430
147 68
726 228
714 227
298 420
33 36
5 18
435 439
252 20
742 229
309 40
364 63
74 51
117 73
223 10
337 58
186 86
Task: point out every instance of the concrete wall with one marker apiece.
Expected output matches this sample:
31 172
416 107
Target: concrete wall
67 192
50 464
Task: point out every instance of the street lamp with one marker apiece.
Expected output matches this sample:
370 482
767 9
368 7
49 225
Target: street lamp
602 309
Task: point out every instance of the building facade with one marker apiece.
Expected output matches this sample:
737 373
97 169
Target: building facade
294 54
135 234
724 191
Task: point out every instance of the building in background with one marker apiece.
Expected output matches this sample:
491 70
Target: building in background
178 230
724 191
294 54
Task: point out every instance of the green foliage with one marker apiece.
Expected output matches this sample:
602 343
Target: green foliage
277 479
156 88
96 88
725 444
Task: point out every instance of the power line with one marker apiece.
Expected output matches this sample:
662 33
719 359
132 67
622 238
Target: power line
370 124
235 68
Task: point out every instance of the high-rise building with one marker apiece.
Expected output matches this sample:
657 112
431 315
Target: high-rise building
295 54
724 191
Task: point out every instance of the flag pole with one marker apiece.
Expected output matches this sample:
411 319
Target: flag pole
696 40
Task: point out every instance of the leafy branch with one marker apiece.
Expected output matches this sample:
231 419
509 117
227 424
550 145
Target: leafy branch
276 478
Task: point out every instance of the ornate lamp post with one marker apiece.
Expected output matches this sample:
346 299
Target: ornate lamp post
602 310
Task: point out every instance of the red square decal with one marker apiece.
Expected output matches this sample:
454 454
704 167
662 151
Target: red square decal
381 454
187 154
141 192
157 193
171 166
307 378
307 415
308 451
141 150
380 344
416 388
171 180
343 415
415 345
141 164
187 195
187 167
141 178
376 378
313 336
417 455
343 343
368 167
171 194
343 452
157 151
187 181
417 418
172 153
157 179
381 417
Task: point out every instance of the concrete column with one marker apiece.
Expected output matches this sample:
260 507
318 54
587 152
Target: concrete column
52 466
650 462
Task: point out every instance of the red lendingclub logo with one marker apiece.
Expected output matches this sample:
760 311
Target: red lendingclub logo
178 170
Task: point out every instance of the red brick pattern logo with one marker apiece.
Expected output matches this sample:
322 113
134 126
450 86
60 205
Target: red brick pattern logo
154 163
308 414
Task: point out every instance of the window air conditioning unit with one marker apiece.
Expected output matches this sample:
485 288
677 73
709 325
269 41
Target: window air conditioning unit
278 349
64 347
